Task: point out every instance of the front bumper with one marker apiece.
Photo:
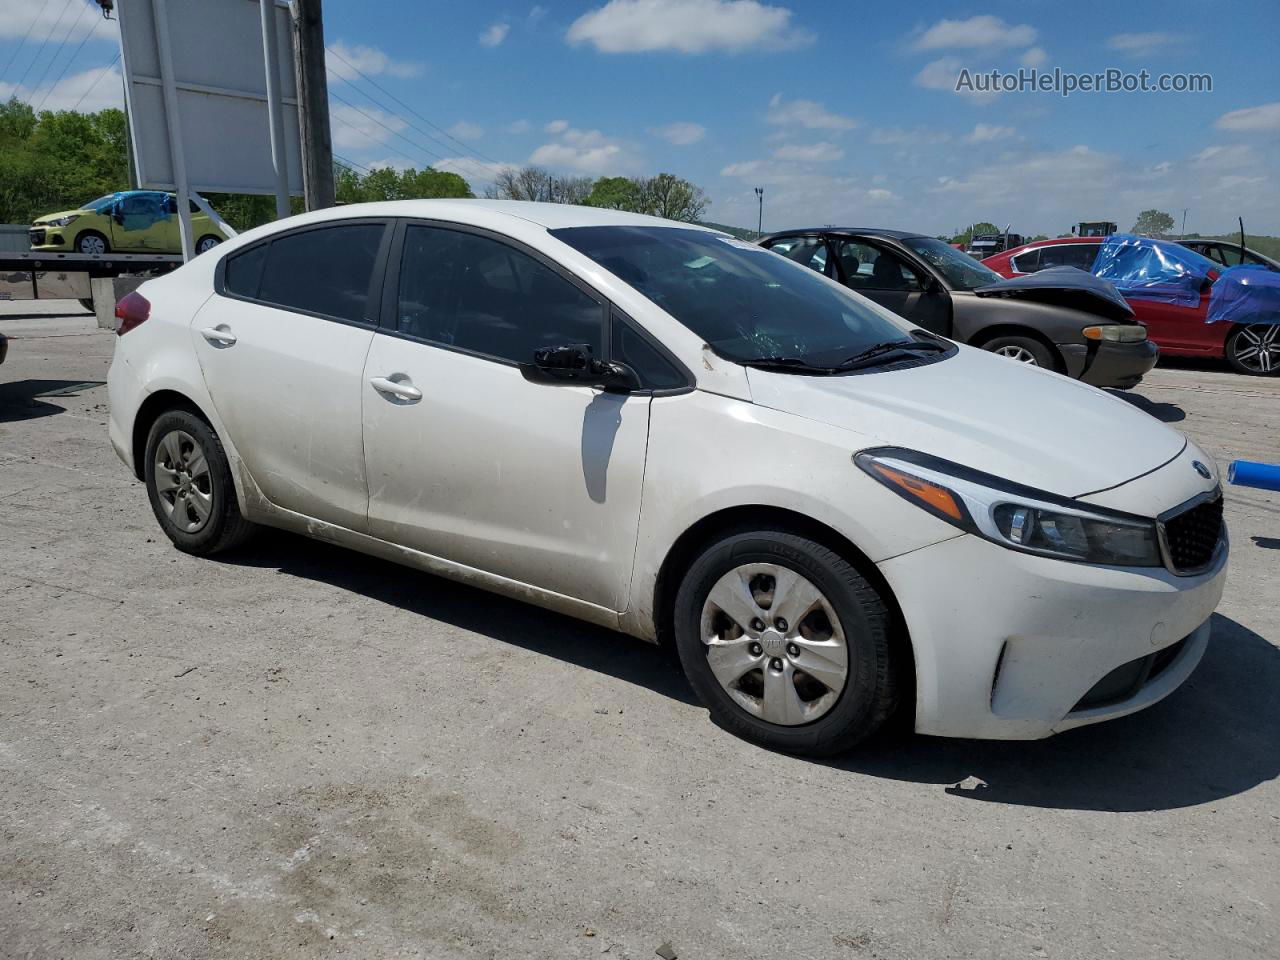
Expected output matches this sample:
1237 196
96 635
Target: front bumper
50 239
1011 646
1108 364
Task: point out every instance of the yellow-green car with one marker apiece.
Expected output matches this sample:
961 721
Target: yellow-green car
132 221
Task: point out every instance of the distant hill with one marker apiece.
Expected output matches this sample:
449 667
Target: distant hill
738 232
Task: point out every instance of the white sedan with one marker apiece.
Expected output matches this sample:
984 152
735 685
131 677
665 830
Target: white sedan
669 432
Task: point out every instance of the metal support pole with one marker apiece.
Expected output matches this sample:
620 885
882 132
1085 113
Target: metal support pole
313 104
275 108
174 125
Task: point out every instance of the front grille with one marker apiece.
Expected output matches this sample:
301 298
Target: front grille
1126 680
1192 536
36 235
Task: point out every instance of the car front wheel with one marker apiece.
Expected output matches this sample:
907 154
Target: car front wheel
190 487
1023 350
786 643
1255 349
92 243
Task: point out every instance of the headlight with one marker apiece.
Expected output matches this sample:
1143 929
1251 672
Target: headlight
1116 333
63 221
1014 516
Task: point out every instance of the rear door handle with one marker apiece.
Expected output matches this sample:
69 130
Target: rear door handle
402 390
219 336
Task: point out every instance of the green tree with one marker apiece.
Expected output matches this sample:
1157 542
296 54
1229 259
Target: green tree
974 229
1153 223
616 193
674 198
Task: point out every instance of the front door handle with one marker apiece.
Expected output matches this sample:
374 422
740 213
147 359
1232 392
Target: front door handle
397 390
219 336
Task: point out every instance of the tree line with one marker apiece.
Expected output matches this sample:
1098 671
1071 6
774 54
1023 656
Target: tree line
59 160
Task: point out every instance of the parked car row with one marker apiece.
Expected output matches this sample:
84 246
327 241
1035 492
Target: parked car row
782 464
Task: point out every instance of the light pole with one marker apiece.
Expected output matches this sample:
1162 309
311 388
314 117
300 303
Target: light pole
760 218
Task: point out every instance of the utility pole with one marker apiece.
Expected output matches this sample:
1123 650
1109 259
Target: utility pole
760 217
313 104
1184 221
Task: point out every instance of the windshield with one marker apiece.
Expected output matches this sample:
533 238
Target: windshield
743 300
961 270
102 203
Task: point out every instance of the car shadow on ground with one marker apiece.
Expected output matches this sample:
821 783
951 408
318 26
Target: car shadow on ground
1219 735
20 400
1166 412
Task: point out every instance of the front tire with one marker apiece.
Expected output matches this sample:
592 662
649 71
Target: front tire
786 643
92 242
190 487
1022 350
1255 349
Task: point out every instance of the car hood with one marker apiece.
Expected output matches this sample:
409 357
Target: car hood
1065 287
989 413
58 216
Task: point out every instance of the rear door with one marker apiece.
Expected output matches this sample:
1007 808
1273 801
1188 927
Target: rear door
282 344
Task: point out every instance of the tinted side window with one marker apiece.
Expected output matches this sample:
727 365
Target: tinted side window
809 251
1079 255
1028 262
473 292
243 272
656 372
323 271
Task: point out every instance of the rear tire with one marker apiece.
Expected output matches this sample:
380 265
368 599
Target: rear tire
207 243
190 487
1023 350
1255 349
754 681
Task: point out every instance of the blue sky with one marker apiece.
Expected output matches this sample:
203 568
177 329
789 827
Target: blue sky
842 112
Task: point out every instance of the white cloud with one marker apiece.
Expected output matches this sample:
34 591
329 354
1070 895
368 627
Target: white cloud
987 132
882 195
1143 44
680 134
536 13
1221 157
1034 57
472 170
1263 119
100 90
354 130
900 137
943 74
466 131
557 126
518 127
809 152
368 60
81 18
984 32
687 26
806 113
586 151
494 34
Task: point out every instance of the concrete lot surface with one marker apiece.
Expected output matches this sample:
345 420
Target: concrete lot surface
297 751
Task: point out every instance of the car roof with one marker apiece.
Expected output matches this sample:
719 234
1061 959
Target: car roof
853 231
553 216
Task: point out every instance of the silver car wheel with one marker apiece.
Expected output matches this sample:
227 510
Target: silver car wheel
183 483
1015 352
1258 348
775 644
207 244
92 245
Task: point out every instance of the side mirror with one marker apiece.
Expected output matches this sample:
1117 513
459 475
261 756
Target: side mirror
574 364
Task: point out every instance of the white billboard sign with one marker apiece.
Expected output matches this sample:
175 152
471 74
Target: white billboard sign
198 69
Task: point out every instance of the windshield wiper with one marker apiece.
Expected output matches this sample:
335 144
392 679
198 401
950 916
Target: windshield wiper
888 351
785 364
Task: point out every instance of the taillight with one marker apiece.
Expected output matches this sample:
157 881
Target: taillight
131 311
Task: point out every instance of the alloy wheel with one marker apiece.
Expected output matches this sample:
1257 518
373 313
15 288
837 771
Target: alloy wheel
1258 347
92 245
1015 352
208 243
775 643
183 482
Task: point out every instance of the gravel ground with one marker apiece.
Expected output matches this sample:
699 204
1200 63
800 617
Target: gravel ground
297 751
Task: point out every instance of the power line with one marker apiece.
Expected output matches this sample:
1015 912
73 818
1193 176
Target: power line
379 86
389 129
351 163
97 81
16 50
362 132
57 23
65 67
61 43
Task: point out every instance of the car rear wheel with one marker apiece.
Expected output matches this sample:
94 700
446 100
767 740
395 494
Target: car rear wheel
91 242
786 643
1255 349
190 487
1023 350
207 242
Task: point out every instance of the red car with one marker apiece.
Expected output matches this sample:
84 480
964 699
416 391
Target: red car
1179 331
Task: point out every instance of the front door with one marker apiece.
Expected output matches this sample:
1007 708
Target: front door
887 278
470 462
282 345
139 223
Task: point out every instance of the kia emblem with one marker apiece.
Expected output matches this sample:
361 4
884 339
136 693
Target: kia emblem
1202 469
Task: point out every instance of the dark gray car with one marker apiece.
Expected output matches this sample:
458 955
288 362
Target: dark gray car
1065 320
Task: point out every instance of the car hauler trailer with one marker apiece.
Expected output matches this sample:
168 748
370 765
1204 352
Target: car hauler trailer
96 280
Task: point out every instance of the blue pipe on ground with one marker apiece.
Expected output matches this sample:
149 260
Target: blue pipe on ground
1264 476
